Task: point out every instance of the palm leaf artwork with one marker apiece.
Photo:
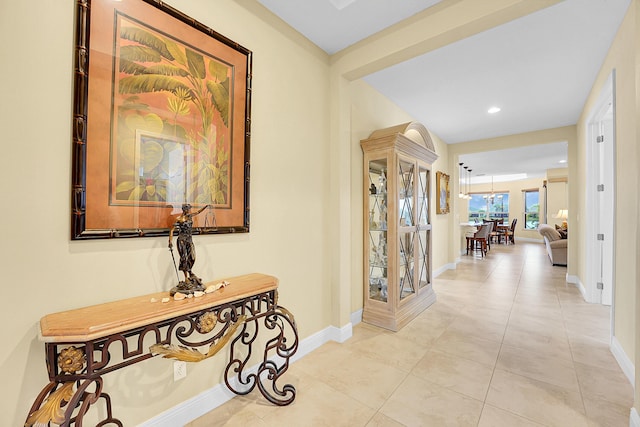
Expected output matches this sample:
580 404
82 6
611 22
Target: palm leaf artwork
172 135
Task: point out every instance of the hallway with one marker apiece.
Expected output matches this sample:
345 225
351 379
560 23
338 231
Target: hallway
508 343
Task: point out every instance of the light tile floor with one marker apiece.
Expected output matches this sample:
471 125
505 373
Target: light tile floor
508 343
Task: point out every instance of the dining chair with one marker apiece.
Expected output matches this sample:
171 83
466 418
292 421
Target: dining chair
495 233
479 240
510 234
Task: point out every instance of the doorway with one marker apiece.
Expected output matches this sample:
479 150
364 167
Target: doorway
600 199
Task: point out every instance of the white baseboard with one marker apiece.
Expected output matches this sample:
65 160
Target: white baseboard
450 266
575 280
193 408
623 360
332 334
634 418
219 394
356 317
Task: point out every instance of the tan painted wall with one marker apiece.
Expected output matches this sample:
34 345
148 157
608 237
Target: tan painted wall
557 194
622 57
516 203
447 22
371 111
302 109
44 272
636 403
540 138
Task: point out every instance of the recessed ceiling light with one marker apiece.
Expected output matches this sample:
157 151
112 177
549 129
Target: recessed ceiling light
562 161
341 4
493 110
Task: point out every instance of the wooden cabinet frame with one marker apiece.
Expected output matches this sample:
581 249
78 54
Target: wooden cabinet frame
397 225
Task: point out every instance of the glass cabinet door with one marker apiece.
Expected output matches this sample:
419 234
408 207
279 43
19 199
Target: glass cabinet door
377 228
423 228
406 228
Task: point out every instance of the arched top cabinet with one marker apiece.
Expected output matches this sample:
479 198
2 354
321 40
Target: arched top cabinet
397 224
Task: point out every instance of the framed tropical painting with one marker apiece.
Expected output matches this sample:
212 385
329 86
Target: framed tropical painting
161 120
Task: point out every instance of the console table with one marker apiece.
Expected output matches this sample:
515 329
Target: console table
79 344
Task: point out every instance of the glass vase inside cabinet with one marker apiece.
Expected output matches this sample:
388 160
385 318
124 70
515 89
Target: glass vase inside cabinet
397 226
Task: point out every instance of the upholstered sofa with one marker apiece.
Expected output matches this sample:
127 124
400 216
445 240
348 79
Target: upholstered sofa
556 245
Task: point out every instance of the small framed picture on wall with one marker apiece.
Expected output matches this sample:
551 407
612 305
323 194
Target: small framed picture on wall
442 190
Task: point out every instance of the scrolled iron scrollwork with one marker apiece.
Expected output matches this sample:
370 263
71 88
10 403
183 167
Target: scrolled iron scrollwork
192 355
236 368
282 320
75 367
269 371
69 403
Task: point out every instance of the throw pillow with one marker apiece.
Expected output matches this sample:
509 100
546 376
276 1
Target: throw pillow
563 233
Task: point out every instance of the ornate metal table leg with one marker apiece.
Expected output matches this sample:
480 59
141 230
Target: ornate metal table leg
237 364
269 371
66 399
85 399
50 411
277 353
58 405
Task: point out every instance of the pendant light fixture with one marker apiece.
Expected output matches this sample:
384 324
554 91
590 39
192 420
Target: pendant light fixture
466 172
460 181
492 195
469 185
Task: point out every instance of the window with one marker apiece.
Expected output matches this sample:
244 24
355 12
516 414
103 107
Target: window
531 209
482 206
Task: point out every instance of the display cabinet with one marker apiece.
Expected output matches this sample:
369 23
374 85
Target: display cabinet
397 225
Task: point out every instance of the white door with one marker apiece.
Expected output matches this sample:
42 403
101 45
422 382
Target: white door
606 207
601 200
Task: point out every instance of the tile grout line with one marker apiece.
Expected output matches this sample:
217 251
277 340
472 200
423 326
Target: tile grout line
573 362
484 402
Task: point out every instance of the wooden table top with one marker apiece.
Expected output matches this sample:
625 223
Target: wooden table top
97 321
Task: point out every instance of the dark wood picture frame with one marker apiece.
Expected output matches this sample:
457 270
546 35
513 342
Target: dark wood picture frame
161 118
442 190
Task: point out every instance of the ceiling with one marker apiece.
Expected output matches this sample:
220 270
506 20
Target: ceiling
510 164
538 69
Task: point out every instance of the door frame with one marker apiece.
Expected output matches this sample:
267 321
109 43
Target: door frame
605 99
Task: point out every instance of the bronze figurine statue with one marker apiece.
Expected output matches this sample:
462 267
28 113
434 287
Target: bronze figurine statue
186 250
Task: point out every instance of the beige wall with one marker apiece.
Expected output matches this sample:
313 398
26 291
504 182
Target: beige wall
516 202
538 138
371 111
45 272
426 31
557 194
636 50
623 58
308 117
